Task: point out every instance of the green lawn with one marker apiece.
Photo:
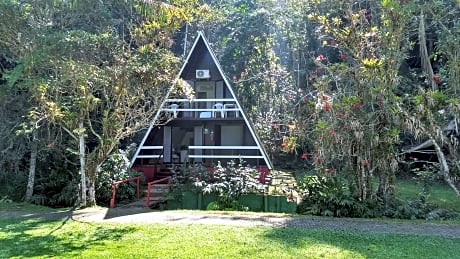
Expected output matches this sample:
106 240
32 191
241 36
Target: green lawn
71 239
440 194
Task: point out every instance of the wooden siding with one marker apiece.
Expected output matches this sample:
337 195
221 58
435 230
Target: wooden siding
201 59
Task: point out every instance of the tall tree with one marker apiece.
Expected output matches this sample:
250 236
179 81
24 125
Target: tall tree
99 68
358 116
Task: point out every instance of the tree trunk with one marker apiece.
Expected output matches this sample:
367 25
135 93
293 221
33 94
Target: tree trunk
92 175
81 139
32 167
385 189
424 56
445 167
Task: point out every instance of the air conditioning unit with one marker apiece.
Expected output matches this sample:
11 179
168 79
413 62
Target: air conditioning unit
202 74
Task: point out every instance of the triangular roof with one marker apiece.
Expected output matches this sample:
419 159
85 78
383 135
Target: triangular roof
201 48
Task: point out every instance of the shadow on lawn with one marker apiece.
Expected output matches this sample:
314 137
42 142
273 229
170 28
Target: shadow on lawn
125 211
357 241
47 237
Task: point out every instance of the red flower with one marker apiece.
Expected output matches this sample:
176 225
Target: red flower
341 116
324 97
283 144
234 78
356 106
365 163
330 170
331 132
343 57
291 97
304 156
320 58
437 79
305 100
276 126
327 107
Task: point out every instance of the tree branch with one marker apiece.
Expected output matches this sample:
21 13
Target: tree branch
445 167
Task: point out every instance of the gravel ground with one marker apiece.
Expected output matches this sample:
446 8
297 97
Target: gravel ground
147 216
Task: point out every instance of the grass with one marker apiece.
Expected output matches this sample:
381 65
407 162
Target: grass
440 194
38 238
27 207
71 239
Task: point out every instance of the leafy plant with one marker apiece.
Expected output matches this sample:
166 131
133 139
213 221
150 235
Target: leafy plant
5 199
331 195
115 168
420 209
188 178
228 182
231 182
56 188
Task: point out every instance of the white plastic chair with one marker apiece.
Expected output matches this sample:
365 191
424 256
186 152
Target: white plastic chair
174 107
230 106
218 106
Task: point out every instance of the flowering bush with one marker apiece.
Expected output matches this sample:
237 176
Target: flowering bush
231 182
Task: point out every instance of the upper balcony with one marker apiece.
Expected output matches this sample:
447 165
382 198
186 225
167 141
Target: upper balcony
202 108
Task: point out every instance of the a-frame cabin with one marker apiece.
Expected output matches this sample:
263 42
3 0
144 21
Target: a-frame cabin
208 128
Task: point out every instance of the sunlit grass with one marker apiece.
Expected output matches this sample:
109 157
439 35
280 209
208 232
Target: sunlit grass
71 239
440 194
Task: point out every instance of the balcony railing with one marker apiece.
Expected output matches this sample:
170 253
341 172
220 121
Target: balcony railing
202 108
157 150
228 152
214 152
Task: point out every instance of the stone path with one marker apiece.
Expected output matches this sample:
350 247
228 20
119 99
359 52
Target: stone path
146 216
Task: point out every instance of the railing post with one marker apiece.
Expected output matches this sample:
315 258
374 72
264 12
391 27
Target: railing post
138 184
114 193
147 199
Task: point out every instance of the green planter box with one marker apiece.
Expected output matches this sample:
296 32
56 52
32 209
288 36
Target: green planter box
173 205
193 201
280 204
190 201
253 201
206 199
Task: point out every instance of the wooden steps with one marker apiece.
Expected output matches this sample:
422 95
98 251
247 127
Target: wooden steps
157 197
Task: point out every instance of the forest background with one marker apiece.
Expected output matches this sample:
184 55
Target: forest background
357 92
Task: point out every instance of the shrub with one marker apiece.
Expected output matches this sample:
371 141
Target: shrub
187 178
55 188
115 168
420 209
231 182
330 195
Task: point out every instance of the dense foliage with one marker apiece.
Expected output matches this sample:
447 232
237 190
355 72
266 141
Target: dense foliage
352 92
227 182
